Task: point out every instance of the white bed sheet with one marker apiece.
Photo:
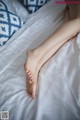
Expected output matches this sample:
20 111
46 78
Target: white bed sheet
59 79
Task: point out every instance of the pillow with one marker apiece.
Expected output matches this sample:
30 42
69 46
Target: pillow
9 23
33 5
16 7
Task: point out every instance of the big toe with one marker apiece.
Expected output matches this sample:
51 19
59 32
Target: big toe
29 88
34 88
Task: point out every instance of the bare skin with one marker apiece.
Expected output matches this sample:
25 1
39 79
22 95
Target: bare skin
40 55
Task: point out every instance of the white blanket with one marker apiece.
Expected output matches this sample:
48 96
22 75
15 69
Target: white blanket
58 93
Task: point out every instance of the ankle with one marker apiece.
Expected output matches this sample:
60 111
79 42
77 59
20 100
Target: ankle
37 53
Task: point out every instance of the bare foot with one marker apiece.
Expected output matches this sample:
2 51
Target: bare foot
35 60
32 68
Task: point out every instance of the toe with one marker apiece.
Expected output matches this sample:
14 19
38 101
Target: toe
29 92
29 73
30 81
29 89
30 77
34 89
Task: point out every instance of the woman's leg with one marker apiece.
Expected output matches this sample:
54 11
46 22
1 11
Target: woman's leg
37 57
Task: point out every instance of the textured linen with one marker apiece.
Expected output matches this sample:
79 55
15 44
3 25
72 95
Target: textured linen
59 79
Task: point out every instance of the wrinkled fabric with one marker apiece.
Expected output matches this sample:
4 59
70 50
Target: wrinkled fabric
58 91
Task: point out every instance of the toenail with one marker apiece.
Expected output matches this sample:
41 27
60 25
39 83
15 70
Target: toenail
29 73
30 82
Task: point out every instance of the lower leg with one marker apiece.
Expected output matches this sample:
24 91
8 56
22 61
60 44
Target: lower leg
66 32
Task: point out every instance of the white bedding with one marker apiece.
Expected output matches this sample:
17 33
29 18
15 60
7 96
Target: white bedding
59 79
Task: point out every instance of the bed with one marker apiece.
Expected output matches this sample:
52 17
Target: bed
58 92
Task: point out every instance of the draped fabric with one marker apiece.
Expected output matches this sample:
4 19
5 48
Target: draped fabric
58 91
